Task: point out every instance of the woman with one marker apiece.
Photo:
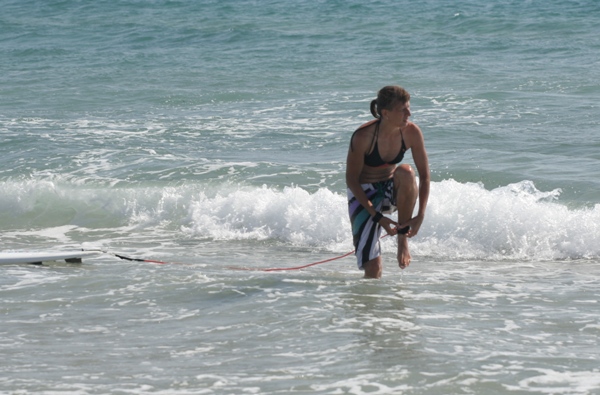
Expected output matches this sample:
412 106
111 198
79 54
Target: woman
377 184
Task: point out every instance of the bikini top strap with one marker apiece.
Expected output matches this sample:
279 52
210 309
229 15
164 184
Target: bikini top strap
375 135
364 126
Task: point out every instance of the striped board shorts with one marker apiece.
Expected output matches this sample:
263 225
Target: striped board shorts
365 232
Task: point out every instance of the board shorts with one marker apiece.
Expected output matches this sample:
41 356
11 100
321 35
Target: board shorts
365 232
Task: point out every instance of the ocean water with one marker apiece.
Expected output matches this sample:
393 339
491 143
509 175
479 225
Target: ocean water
212 135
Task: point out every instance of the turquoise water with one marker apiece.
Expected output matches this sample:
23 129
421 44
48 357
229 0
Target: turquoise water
214 134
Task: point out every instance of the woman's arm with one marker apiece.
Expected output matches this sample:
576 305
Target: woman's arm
419 154
354 166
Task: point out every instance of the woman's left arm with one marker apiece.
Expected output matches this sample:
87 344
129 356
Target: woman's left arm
419 154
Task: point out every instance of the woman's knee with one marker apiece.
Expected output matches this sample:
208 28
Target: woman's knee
404 174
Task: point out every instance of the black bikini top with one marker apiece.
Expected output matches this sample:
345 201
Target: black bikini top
374 159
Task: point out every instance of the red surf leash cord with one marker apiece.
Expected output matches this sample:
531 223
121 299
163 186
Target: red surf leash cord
275 269
280 269
300 267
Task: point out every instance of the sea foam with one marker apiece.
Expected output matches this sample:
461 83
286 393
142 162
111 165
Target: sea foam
463 220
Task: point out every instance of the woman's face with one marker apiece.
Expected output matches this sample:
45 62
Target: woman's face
399 114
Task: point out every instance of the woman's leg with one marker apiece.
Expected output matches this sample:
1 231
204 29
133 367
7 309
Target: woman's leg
373 268
405 186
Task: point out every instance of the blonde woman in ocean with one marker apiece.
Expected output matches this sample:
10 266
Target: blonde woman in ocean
378 184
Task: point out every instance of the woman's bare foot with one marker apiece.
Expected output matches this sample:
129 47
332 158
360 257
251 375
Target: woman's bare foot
403 252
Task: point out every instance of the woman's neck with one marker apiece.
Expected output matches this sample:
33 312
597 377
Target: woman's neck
385 127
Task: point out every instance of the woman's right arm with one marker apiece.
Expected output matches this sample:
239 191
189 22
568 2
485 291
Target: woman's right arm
354 166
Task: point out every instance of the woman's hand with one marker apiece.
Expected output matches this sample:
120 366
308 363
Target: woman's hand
415 225
390 226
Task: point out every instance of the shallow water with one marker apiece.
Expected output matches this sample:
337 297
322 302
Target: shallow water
459 327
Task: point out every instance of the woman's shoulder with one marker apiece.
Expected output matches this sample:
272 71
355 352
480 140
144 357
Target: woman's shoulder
412 134
366 125
362 137
365 130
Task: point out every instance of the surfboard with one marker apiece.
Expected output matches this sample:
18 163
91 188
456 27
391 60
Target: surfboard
37 257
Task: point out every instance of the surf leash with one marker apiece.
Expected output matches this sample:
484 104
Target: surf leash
273 269
126 258
141 260
281 269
